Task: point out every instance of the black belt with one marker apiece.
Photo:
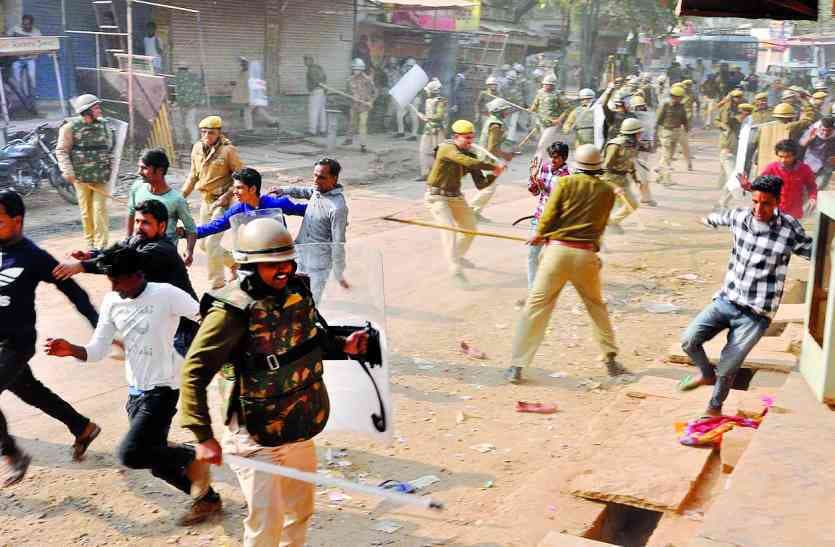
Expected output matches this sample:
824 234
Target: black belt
619 173
439 192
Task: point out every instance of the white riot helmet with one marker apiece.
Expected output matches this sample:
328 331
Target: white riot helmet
498 105
433 86
511 75
549 79
662 79
85 102
586 93
491 80
518 67
505 67
538 73
410 62
357 64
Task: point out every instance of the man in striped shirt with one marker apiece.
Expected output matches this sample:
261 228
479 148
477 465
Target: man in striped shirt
540 184
764 238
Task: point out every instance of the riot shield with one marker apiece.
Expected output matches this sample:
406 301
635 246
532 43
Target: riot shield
408 87
647 120
349 282
119 130
744 157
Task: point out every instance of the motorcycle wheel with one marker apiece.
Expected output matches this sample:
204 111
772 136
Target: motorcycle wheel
64 188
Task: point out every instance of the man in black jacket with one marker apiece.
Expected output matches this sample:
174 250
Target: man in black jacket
23 265
161 263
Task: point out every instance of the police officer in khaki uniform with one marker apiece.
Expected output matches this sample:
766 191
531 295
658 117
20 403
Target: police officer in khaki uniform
581 119
549 109
484 97
361 87
84 153
264 336
619 157
443 192
728 146
671 126
434 118
213 160
761 112
493 135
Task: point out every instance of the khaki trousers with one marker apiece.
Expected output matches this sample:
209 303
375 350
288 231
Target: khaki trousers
359 124
560 265
428 142
627 197
483 197
278 508
710 108
454 212
727 166
215 254
669 139
94 219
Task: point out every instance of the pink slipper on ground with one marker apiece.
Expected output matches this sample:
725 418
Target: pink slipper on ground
472 351
536 408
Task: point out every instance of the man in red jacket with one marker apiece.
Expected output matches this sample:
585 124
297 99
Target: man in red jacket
796 177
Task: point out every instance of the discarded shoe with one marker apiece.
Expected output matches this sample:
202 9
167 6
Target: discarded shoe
471 351
535 408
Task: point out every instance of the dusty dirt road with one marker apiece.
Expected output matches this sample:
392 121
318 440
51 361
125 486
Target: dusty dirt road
455 416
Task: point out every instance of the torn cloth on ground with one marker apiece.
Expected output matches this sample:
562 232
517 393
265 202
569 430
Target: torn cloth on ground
708 430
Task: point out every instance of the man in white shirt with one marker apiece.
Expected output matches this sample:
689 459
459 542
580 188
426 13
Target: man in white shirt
27 62
153 46
146 316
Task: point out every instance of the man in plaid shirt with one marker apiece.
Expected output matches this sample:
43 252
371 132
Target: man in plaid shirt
764 239
541 182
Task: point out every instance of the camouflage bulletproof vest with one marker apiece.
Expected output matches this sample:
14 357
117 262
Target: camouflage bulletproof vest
435 111
584 125
550 107
90 154
276 383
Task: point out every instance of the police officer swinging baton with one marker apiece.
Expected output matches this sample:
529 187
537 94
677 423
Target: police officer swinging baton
318 478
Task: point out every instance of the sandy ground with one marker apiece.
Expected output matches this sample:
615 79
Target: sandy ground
446 403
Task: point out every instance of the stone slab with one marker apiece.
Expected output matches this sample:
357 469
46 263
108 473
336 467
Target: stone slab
783 487
762 356
637 459
768 379
734 443
557 539
793 337
790 313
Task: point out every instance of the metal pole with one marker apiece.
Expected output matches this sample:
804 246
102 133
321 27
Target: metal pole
60 84
203 60
130 75
3 100
98 67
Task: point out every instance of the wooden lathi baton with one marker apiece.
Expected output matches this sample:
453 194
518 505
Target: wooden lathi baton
454 229
99 191
324 480
332 90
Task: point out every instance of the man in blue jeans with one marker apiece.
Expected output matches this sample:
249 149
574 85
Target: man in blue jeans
764 239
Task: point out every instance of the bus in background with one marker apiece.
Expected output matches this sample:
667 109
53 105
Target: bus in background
713 49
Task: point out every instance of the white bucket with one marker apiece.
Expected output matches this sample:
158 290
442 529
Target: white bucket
405 90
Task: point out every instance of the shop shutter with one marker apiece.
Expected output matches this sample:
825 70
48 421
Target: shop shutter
231 29
319 28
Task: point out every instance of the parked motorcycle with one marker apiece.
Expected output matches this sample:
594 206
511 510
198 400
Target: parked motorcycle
27 160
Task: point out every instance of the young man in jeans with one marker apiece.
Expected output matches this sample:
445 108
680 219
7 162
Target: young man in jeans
764 239
23 265
146 316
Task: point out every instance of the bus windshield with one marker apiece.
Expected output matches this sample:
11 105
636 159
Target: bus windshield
719 50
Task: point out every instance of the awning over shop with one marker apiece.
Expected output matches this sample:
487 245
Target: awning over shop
431 3
765 9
